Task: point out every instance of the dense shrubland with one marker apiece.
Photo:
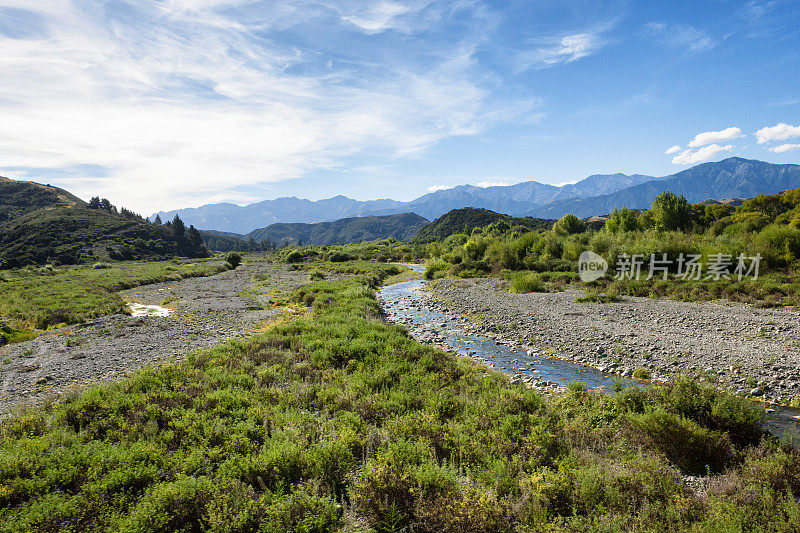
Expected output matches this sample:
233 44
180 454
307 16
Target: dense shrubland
337 421
767 225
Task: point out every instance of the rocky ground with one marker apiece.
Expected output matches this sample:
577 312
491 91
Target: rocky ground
205 312
748 350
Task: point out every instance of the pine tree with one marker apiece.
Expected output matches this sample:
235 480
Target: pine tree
94 203
194 237
105 205
178 227
157 220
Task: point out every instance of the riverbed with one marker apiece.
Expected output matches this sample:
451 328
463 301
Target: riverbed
409 304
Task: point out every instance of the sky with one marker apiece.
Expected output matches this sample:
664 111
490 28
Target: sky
164 104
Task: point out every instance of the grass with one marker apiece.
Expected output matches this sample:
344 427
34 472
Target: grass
337 421
372 270
34 299
523 282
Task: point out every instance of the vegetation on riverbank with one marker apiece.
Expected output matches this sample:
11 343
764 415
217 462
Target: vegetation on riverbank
337 421
383 251
768 226
33 299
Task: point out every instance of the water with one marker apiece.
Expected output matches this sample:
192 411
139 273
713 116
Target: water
402 304
148 310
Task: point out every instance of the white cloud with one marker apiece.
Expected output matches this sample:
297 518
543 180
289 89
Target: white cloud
571 48
778 132
784 148
709 137
682 36
485 184
673 149
379 17
571 182
435 188
706 153
188 108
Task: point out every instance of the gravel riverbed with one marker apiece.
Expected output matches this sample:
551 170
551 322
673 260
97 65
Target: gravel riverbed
748 350
205 312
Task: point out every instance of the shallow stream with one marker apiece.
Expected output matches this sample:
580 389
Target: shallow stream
403 305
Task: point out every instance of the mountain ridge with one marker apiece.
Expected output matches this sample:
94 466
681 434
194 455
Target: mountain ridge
512 199
595 194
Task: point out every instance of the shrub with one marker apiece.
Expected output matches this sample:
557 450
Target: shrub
339 257
621 220
234 259
778 245
179 505
671 212
436 268
694 449
568 225
100 265
523 282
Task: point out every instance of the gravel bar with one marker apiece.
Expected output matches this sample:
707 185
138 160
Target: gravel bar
748 350
205 312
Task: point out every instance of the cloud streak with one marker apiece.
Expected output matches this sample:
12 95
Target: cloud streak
784 148
180 102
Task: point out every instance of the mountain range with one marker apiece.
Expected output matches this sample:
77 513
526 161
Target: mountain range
597 194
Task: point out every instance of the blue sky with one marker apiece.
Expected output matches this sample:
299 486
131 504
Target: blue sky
176 103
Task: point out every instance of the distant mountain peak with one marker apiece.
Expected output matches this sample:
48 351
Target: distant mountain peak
594 194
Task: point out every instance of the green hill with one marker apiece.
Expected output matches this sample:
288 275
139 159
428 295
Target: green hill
466 219
402 227
41 224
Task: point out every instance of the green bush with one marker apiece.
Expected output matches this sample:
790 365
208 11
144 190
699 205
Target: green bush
621 220
233 258
523 282
568 225
436 268
693 448
670 212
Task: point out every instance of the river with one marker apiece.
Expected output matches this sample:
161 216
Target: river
402 304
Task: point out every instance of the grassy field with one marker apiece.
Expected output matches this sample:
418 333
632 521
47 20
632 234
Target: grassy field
336 421
35 298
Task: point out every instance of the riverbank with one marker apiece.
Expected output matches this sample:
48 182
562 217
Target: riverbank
747 350
338 421
206 311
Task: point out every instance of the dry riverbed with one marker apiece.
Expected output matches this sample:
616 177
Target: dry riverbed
204 312
748 350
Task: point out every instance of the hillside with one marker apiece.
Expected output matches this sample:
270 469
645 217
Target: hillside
464 220
40 224
20 197
403 227
731 178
